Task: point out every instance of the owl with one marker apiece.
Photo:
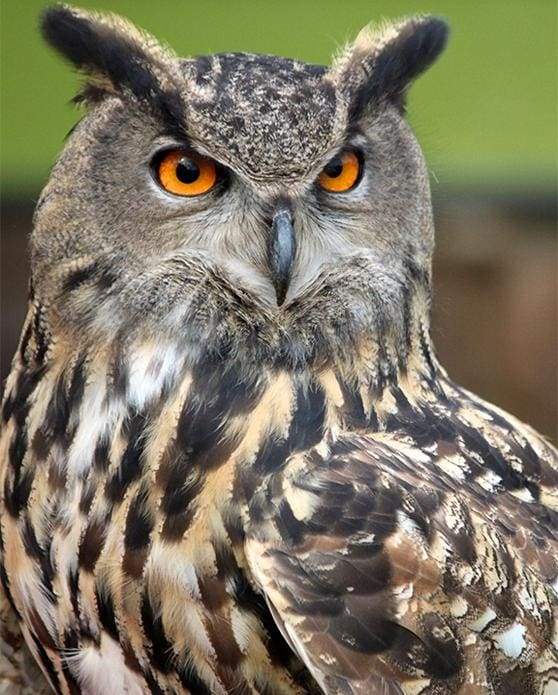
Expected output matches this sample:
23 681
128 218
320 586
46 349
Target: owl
231 461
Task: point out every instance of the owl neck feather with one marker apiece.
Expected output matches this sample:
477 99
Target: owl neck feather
210 388
93 391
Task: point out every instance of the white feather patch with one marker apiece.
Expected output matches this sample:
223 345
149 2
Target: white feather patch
511 641
152 367
102 670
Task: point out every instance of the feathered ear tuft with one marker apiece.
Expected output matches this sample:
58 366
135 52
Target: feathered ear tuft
115 56
381 64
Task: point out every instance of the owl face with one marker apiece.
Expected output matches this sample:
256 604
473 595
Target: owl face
235 191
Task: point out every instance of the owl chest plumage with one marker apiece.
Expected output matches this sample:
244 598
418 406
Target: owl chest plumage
159 511
145 498
126 494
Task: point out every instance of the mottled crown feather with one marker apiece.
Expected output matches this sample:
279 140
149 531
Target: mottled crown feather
383 61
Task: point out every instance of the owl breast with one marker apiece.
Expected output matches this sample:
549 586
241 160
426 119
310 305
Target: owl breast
124 540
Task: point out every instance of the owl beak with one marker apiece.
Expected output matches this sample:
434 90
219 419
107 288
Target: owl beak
281 252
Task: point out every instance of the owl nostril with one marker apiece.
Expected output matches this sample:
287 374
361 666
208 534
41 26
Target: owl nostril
282 249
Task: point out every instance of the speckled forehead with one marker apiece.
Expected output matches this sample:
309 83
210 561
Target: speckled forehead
269 117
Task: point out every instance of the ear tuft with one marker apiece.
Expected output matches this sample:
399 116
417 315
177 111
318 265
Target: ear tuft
381 64
113 54
407 55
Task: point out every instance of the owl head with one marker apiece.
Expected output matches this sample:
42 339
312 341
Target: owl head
237 202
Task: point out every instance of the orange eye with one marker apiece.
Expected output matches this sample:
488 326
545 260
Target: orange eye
185 173
342 173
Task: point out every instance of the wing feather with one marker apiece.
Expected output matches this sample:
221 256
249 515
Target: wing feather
387 571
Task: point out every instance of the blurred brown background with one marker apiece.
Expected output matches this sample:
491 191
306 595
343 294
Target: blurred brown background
485 115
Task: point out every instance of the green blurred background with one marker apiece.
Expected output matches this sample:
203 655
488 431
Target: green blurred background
485 115
487 110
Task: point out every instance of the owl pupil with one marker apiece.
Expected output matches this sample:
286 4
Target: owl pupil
334 168
187 171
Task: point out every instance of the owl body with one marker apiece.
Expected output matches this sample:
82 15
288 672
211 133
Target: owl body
230 460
